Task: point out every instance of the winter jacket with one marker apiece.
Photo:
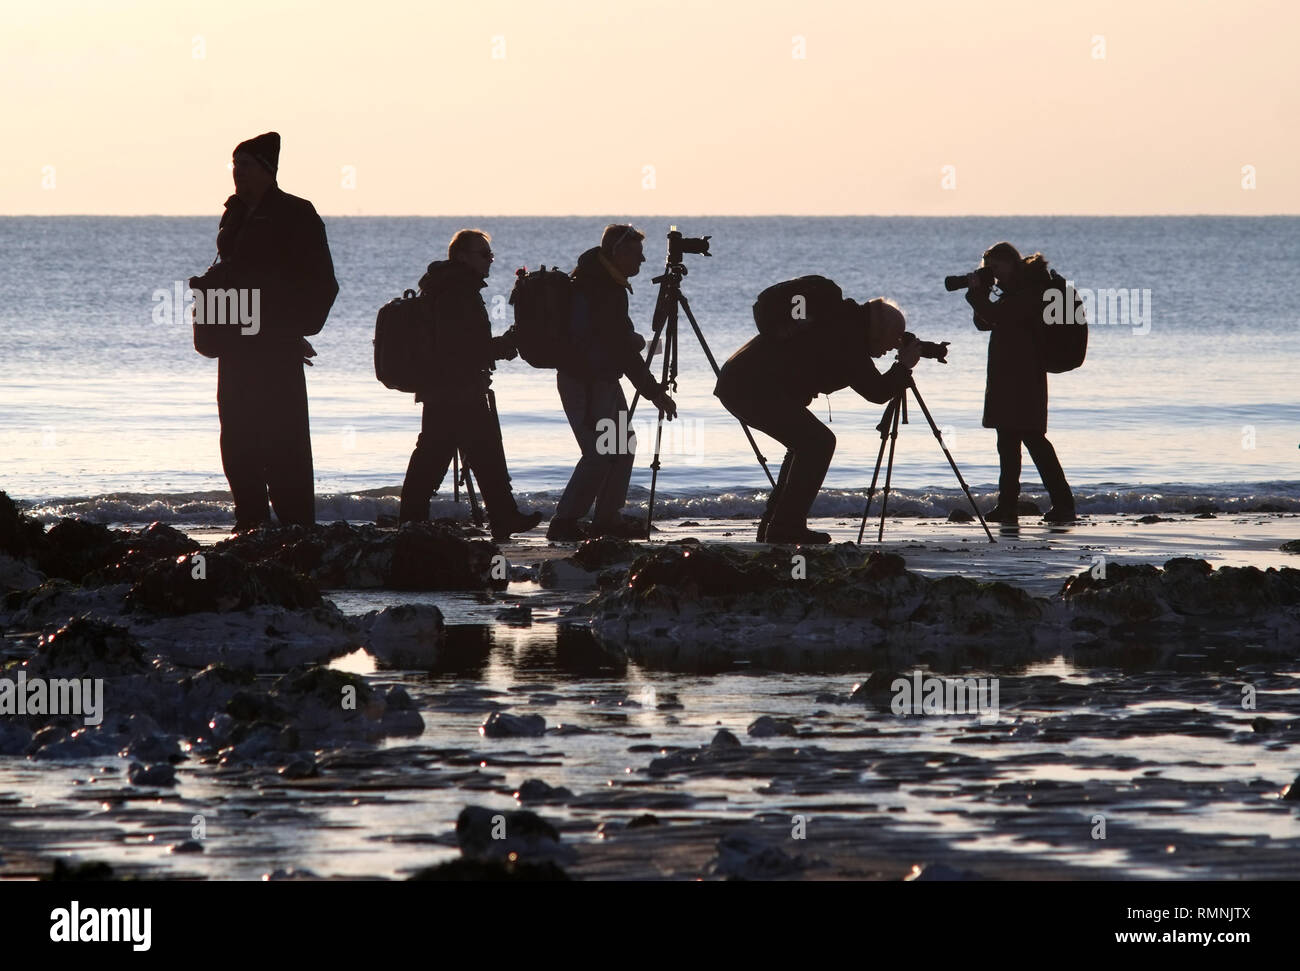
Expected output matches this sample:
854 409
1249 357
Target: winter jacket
832 356
1015 396
278 249
606 343
464 348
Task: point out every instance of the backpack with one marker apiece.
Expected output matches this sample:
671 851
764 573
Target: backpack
404 343
544 307
1063 335
788 309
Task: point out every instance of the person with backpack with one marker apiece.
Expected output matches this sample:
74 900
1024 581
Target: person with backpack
271 287
604 347
458 412
770 382
1015 397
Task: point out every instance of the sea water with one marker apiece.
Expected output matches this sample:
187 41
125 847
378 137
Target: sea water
1187 395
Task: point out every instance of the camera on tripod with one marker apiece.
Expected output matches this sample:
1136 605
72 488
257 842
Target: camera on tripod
679 245
962 280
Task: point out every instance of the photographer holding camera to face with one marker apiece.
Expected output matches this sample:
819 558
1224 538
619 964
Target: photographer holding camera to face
1015 398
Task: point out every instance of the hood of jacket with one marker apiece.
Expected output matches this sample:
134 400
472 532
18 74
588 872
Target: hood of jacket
444 274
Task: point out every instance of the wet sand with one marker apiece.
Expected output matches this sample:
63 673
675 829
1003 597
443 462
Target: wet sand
1186 782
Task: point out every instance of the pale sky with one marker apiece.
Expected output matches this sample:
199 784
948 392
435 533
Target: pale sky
679 107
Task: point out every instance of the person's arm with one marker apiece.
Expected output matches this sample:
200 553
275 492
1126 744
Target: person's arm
877 387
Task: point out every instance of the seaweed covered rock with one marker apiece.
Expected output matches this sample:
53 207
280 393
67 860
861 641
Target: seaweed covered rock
219 582
1184 588
706 609
87 648
142 548
20 536
73 548
428 556
338 555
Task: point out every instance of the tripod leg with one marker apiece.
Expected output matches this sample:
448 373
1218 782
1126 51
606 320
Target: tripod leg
885 422
704 345
475 512
957 472
670 360
660 318
889 472
455 477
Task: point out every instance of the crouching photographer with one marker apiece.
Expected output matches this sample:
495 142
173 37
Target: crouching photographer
812 341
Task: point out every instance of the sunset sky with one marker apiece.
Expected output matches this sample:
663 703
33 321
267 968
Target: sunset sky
523 107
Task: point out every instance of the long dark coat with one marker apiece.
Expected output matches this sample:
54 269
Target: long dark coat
1015 396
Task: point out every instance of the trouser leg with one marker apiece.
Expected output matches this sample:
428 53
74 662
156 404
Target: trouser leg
287 443
433 453
241 453
810 446
605 469
1049 469
1009 476
484 452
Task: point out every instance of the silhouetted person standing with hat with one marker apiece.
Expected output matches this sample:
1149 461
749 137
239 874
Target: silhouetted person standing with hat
274 268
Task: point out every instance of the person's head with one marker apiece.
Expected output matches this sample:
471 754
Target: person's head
254 164
885 326
621 245
473 248
1003 259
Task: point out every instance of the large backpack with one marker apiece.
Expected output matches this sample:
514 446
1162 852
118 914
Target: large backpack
544 307
1063 336
404 344
788 309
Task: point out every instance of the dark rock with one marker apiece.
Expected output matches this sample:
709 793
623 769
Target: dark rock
640 822
431 557
1291 793
20 536
724 740
86 648
876 690
520 615
485 834
93 870
960 516
152 775
492 871
1148 520
189 846
1291 546
743 858
502 724
535 790
930 872
221 582
406 635
595 554
766 727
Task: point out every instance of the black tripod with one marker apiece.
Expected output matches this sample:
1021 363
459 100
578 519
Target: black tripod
665 325
888 429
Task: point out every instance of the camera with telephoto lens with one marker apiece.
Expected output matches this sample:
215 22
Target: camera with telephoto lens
962 280
678 245
936 352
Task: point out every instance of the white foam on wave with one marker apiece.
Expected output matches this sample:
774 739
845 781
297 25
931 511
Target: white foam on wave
216 508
